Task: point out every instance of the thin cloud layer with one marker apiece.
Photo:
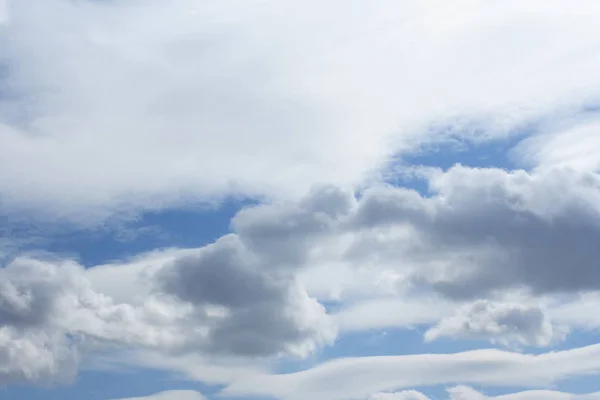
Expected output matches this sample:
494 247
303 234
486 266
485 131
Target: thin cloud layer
358 378
467 393
171 395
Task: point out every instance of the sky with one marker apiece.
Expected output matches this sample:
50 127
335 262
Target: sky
291 200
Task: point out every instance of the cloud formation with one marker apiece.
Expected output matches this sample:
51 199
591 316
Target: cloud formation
311 104
504 323
479 232
109 109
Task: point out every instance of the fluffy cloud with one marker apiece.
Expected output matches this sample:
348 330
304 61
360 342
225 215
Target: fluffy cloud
35 357
504 323
358 378
204 100
234 298
487 229
258 312
481 230
48 309
31 349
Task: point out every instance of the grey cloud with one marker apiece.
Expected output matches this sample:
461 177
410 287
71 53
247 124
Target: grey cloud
283 234
33 347
221 274
29 292
266 313
486 229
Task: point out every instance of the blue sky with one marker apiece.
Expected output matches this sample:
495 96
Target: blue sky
381 200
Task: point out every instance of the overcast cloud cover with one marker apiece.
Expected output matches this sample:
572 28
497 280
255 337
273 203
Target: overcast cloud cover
359 263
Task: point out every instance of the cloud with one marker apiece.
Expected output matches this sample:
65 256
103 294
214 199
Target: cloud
504 323
467 393
224 301
264 313
487 229
31 348
385 312
35 357
574 144
198 104
403 395
358 378
479 233
171 395
578 312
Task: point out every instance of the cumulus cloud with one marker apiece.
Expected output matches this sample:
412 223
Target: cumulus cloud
230 299
31 302
504 323
35 357
480 230
486 229
359 378
263 313
156 128
193 306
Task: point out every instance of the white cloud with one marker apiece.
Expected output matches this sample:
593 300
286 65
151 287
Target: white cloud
504 323
467 393
124 105
403 395
171 395
358 378
575 145
386 312
579 312
37 357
